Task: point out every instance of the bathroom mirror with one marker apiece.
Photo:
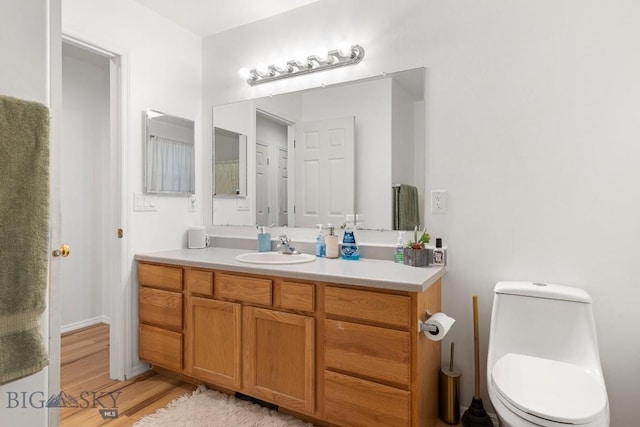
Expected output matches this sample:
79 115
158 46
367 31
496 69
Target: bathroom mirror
388 115
169 154
229 163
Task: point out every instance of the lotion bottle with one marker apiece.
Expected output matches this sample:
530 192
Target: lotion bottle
439 253
333 250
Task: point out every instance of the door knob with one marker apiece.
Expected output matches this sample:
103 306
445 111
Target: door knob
64 251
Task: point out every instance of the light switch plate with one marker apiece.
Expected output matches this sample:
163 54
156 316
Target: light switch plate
144 202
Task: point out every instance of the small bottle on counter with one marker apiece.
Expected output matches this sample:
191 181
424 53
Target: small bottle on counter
398 256
349 245
264 240
333 247
321 247
438 253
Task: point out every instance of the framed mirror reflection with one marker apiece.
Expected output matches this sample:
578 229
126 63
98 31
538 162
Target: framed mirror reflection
317 155
169 154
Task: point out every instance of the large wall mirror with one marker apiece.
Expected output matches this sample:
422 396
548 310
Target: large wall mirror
169 154
316 155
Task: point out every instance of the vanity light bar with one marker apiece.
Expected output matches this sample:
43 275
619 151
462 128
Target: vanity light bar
319 62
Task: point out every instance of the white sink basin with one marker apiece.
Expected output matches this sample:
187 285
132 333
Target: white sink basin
274 258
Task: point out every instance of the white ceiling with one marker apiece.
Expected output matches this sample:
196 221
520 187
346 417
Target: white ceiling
204 17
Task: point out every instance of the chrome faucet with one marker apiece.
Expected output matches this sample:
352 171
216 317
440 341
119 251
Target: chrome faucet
285 246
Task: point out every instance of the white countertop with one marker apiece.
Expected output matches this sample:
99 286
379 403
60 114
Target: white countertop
364 272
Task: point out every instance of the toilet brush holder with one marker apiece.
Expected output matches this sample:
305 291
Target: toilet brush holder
449 408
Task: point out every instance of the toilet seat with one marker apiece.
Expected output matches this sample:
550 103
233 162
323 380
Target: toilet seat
544 391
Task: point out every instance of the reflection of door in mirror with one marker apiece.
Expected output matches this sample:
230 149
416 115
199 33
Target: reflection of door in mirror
229 155
283 183
272 136
262 183
324 176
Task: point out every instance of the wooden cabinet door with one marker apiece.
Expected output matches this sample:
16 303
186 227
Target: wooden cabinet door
213 348
279 358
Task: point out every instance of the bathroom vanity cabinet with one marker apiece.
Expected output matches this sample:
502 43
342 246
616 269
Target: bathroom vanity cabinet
335 353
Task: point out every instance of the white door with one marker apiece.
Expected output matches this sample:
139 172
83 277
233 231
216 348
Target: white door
283 174
324 175
262 184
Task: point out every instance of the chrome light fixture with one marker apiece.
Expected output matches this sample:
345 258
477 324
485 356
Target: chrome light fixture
322 60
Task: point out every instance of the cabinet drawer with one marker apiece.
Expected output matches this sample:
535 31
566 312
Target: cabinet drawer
159 307
351 401
160 276
393 310
160 347
240 288
294 296
370 351
199 282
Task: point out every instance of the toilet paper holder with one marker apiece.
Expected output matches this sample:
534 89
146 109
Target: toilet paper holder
424 327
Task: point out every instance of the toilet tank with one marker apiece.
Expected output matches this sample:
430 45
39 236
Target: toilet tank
543 320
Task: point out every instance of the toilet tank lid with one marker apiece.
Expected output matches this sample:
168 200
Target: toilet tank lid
543 290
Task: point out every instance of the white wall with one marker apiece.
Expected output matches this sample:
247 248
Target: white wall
24 47
532 125
84 189
164 73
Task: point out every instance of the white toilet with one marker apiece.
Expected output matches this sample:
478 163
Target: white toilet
543 366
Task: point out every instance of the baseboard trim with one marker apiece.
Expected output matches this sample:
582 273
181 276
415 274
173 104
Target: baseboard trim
139 368
494 417
84 323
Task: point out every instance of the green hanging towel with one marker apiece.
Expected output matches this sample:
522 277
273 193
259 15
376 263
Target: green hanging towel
24 237
409 210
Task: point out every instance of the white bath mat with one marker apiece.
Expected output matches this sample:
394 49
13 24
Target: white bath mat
209 408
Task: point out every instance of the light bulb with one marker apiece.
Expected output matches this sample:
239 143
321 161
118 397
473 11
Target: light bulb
281 65
302 61
321 54
245 73
263 70
344 50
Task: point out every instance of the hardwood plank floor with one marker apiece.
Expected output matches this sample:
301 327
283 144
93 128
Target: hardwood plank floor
85 376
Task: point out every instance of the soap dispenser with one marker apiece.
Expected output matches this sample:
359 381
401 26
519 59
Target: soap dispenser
398 256
349 246
333 247
321 247
264 240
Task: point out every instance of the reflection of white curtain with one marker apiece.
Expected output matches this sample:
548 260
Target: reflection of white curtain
227 177
170 166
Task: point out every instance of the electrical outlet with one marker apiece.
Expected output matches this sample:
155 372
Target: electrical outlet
439 201
193 203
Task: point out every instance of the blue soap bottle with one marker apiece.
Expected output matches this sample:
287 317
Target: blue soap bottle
349 246
264 240
321 246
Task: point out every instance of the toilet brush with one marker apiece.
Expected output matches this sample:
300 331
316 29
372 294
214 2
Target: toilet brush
475 415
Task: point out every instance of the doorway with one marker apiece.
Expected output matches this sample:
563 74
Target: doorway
92 195
273 136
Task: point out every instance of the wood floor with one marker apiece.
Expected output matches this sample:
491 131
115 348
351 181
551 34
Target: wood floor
85 377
